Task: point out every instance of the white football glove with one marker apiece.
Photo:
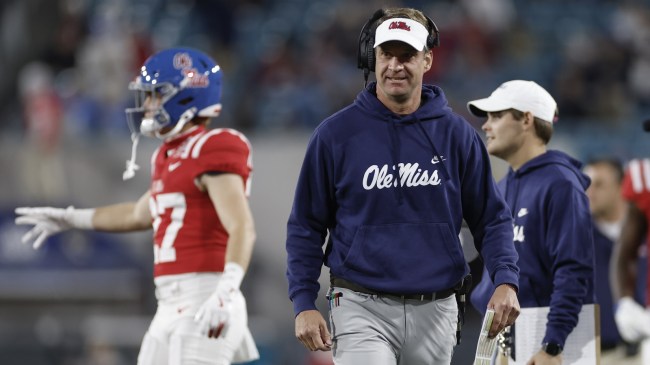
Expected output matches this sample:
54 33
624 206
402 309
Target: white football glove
214 315
48 221
632 320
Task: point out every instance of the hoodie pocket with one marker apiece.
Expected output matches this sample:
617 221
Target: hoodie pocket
407 252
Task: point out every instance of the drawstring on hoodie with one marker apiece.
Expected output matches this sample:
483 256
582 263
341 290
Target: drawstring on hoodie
396 147
131 166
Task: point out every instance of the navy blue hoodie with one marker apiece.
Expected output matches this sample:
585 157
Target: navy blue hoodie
391 191
554 238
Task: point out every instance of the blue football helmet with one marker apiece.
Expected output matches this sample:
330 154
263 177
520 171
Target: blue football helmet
173 87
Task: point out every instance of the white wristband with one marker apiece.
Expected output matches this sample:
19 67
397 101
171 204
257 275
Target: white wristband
233 274
80 218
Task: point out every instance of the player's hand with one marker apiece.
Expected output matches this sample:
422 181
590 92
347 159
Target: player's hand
506 308
542 358
632 320
48 221
311 330
213 316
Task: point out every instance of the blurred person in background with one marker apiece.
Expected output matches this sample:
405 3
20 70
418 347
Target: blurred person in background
607 210
545 191
633 319
390 179
42 168
197 205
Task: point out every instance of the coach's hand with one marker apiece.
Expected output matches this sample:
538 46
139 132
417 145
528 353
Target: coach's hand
506 308
542 358
311 330
48 221
632 320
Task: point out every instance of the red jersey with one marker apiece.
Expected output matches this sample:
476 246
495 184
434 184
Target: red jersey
636 189
188 235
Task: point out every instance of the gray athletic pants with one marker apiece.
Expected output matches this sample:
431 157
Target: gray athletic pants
380 330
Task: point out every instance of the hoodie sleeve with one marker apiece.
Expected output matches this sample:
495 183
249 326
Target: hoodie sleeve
311 215
488 216
569 240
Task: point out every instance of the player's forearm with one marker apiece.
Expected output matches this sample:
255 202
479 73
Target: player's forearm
625 272
625 259
240 245
122 217
627 251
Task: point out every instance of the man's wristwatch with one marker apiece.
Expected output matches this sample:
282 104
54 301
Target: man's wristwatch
552 349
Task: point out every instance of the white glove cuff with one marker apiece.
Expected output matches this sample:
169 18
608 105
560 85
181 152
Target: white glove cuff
80 218
233 274
628 302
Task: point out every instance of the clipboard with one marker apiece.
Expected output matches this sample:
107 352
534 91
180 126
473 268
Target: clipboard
486 347
582 347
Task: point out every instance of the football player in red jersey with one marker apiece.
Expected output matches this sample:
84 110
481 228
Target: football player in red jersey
632 319
197 205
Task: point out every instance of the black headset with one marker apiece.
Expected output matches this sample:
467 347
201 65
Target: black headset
366 55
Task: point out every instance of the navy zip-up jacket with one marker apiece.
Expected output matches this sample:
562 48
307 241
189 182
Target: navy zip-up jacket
553 235
391 191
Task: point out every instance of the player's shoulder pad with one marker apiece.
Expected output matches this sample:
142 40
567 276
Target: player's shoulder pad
221 140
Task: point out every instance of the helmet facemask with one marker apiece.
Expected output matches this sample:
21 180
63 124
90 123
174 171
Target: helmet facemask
148 119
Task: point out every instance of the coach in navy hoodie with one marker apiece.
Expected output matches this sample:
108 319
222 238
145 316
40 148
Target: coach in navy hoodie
386 182
545 190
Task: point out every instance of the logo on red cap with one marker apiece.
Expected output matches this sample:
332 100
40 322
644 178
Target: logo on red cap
399 25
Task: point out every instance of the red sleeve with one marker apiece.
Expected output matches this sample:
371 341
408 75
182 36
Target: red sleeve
636 184
223 150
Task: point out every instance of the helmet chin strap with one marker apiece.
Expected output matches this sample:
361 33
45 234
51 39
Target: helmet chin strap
184 119
131 166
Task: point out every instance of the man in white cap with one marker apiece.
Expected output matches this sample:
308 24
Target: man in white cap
545 190
388 181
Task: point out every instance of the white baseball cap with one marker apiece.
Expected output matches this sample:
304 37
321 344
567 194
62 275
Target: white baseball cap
522 95
402 29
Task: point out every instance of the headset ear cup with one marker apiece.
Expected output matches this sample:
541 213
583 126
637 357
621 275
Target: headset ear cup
366 56
362 57
433 40
371 54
